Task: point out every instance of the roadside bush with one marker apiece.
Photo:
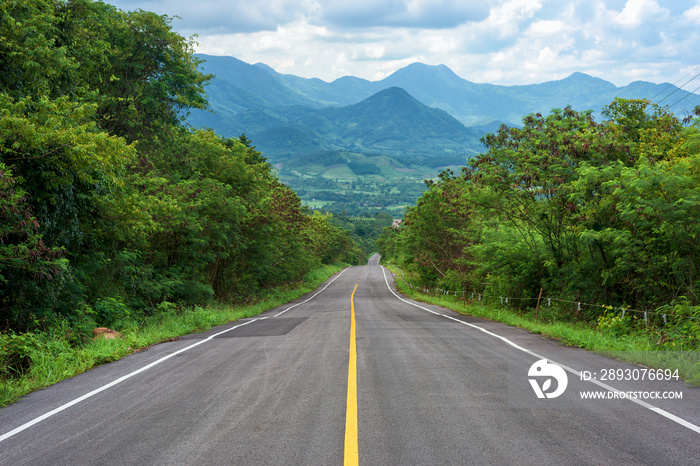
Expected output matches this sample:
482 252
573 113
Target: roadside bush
15 352
682 328
111 312
614 323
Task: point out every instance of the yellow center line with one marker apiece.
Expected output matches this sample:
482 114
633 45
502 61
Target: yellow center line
351 446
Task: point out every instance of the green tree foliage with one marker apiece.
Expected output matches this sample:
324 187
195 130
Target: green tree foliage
365 231
641 219
150 78
31 63
26 262
598 212
109 205
331 243
438 233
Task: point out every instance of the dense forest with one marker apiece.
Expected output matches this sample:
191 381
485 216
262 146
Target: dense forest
111 207
601 213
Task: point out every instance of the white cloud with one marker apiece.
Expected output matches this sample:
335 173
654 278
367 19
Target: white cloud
499 41
547 27
507 17
637 12
693 14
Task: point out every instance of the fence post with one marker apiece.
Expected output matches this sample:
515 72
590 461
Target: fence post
537 309
465 294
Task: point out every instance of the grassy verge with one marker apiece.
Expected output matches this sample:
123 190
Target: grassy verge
54 355
637 348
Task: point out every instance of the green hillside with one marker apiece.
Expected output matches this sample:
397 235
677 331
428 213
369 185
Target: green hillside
390 122
356 183
394 122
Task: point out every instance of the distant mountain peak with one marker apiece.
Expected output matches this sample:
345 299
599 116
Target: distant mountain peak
393 91
424 66
421 71
394 118
579 75
265 67
391 99
254 98
587 79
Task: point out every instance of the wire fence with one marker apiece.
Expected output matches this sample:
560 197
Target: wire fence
482 297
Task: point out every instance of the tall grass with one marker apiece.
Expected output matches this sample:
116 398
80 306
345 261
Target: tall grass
32 361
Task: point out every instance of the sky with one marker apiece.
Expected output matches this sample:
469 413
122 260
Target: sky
507 42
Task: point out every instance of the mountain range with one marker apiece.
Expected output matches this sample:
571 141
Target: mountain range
420 111
360 146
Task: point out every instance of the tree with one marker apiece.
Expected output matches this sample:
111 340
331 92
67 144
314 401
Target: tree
30 62
109 204
26 262
639 216
439 233
603 212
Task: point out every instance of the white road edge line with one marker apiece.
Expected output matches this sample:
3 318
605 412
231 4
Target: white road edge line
74 402
644 404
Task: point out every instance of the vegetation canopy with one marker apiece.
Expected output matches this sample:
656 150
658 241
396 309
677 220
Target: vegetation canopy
603 213
113 209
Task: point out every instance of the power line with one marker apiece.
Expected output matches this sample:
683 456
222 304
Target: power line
676 82
679 88
685 96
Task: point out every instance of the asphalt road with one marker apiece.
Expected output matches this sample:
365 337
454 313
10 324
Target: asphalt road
432 388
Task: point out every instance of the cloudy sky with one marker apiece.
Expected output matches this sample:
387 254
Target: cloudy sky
486 41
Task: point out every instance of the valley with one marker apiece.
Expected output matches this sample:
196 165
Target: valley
354 183
360 147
